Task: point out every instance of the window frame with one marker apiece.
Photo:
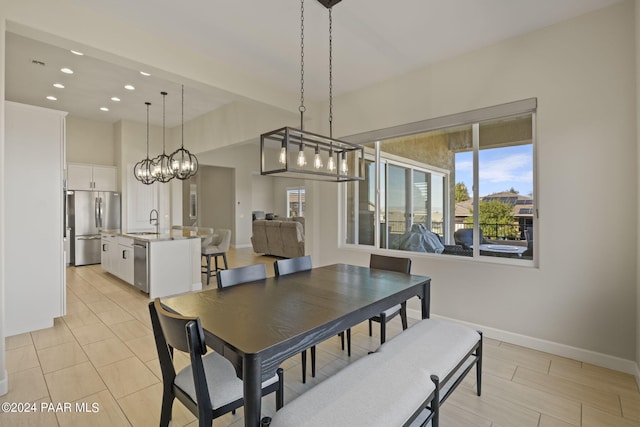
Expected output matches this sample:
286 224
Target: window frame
473 118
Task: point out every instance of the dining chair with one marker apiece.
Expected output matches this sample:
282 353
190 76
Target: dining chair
283 267
402 265
209 386
293 265
239 275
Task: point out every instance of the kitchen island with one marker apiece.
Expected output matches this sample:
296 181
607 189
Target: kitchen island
158 264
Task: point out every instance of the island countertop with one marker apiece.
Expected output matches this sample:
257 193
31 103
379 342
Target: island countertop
150 236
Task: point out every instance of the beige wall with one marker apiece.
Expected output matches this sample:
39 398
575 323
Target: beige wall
637 18
581 301
90 141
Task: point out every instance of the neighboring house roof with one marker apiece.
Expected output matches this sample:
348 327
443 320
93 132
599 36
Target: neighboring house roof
522 205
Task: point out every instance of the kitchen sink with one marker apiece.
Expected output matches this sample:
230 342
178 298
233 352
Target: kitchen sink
142 233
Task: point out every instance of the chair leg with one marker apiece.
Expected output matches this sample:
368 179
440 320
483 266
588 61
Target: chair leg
215 257
280 392
304 366
383 328
224 258
370 327
313 361
208 267
349 342
403 315
167 407
341 335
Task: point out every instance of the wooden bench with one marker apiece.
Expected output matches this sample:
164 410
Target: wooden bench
403 383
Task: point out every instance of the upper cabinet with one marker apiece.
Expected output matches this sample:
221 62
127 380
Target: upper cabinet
91 177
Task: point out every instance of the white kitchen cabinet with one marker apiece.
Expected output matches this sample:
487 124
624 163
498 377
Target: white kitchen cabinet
34 148
108 252
174 267
91 177
125 259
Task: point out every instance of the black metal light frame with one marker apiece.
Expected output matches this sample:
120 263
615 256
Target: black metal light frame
293 139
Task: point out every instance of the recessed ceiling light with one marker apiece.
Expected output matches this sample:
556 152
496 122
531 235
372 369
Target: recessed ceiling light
129 87
115 98
75 52
104 109
145 74
67 70
58 85
52 98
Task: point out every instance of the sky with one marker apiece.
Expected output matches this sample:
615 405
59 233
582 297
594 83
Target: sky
500 169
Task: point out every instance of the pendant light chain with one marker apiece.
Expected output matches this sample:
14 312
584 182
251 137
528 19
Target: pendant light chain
182 119
164 96
148 104
302 107
330 74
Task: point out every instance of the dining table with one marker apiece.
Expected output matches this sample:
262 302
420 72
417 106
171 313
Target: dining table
260 324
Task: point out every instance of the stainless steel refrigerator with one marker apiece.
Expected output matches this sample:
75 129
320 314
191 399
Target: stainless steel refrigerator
88 213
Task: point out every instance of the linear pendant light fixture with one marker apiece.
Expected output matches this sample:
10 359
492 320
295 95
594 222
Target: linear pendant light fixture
280 147
144 168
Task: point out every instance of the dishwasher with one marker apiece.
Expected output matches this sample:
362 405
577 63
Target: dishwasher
141 265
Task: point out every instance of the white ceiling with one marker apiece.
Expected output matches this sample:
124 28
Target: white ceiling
373 40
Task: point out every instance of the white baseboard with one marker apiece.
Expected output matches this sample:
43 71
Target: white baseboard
244 245
588 356
4 384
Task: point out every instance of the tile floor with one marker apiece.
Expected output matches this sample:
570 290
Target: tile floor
101 355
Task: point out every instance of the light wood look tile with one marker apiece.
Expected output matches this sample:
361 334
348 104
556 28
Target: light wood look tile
18 341
26 386
596 397
61 356
127 376
143 408
108 351
74 383
58 334
103 351
117 315
21 358
38 418
97 410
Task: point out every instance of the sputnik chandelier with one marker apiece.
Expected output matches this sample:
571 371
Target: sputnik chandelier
180 164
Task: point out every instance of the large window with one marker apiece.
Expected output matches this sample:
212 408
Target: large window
461 185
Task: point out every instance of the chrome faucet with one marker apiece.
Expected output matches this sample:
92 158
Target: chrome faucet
154 221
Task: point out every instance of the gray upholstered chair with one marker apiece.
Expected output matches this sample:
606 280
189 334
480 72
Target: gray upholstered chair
218 247
209 386
402 265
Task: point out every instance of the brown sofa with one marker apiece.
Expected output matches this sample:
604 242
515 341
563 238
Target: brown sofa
278 238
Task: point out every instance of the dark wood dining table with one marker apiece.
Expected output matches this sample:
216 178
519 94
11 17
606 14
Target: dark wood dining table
258 325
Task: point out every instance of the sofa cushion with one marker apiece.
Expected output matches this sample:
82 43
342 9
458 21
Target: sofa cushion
274 238
259 237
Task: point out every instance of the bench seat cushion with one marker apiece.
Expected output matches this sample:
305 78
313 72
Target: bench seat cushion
362 394
434 345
